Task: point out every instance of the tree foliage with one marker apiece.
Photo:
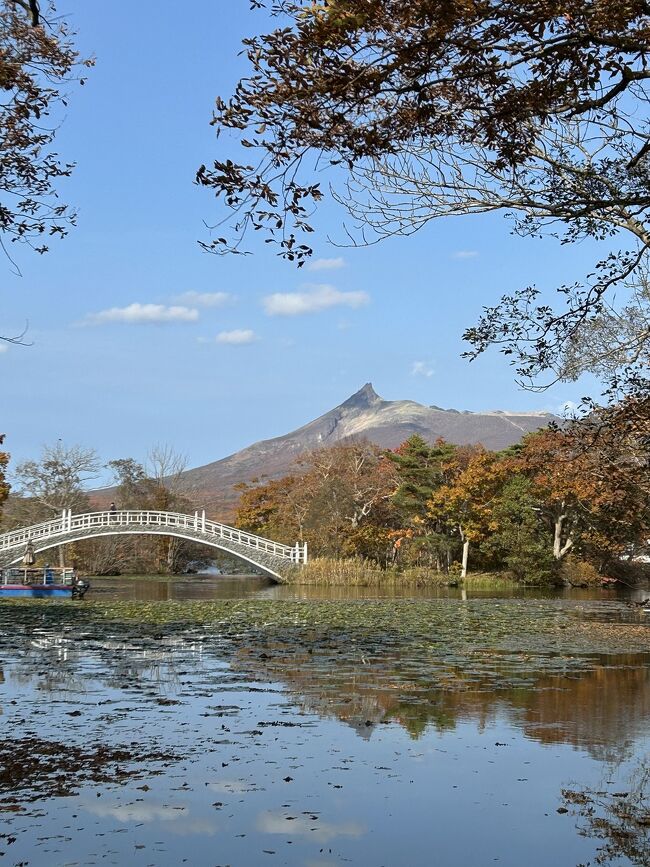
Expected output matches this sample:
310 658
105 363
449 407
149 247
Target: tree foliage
421 469
524 510
518 539
467 501
4 486
431 108
37 62
590 494
330 501
154 486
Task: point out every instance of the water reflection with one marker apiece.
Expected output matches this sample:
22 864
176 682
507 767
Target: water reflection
604 710
156 589
148 588
317 745
603 707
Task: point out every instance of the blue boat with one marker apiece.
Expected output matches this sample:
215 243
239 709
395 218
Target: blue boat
42 583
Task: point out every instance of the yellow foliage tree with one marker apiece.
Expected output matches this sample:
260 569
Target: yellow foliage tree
467 502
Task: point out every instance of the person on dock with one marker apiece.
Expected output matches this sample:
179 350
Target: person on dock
113 510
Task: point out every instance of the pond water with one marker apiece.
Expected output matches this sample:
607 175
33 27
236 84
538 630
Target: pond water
222 723
150 588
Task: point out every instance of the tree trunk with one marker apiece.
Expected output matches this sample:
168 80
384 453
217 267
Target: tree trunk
463 571
559 549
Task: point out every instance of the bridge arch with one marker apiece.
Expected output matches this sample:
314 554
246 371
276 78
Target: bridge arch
272 558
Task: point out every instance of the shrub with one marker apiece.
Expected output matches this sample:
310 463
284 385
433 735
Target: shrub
578 573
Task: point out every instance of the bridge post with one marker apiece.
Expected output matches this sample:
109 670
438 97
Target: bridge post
203 520
196 520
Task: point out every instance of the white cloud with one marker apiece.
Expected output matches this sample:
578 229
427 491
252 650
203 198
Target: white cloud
318 297
569 408
326 264
464 254
316 829
421 368
137 314
205 299
3 347
237 337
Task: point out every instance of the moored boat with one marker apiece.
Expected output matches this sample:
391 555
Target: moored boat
42 583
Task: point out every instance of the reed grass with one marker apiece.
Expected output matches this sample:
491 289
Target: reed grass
353 572
488 581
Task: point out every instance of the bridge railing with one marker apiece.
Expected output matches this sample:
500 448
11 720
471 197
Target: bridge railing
147 518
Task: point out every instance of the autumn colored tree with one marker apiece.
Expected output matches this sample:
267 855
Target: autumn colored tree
37 62
589 495
361 467
431 108
4 486
268 509
583 490
330 500
344 486
467 502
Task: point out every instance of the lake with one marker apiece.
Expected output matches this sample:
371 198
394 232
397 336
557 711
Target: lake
226 721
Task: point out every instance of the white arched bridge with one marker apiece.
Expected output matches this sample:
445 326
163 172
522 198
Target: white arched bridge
270 557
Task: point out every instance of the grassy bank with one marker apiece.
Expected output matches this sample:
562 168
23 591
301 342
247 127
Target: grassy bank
330 572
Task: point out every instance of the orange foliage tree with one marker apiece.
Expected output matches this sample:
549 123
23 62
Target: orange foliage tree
592 495
467 502
331 501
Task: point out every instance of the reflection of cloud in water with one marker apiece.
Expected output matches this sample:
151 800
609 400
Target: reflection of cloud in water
176 818
139 812
196 826
234 786
277 823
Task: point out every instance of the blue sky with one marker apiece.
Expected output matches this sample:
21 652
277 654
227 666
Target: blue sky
252 347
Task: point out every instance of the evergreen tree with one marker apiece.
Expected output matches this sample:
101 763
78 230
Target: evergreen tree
521 540
421 470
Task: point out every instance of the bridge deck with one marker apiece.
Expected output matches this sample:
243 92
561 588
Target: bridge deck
69 528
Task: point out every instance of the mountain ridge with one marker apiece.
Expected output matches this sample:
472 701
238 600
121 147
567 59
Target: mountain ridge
363 415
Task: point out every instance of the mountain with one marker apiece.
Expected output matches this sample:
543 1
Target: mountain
364 415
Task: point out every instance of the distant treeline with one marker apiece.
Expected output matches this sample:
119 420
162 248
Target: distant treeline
562 501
